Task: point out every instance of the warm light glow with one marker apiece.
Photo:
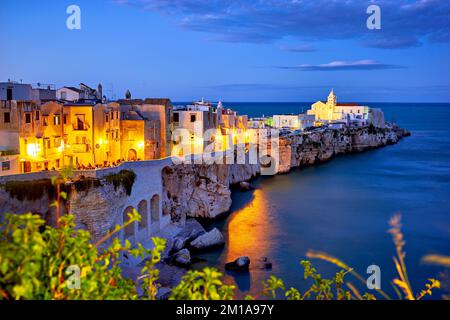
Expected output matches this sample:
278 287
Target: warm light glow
33 149
141 145
251 230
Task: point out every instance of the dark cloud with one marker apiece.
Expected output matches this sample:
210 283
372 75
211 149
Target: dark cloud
405 23
344 66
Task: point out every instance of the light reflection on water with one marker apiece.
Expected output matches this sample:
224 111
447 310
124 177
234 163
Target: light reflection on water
343 208
251 230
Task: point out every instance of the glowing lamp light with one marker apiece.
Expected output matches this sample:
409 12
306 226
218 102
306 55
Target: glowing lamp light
33 149
141 145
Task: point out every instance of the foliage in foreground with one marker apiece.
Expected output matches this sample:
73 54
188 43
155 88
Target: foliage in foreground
38 262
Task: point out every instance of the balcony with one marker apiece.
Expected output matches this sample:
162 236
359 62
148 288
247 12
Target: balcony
81 127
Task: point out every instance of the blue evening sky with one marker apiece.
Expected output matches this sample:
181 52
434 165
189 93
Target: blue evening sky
248 50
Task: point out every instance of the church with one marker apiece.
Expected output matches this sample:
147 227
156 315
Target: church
351 113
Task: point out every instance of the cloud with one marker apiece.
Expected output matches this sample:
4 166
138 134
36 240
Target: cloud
344 66
405 23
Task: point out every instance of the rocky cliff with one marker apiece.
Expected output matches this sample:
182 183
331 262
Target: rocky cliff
201 190
322 145
204 190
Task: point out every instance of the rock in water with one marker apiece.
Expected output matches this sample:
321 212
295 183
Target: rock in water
211 239
178 244
182 258
266 264
240 264
245 186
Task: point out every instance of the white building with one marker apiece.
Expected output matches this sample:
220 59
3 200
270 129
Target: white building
11 90
84 92
293 121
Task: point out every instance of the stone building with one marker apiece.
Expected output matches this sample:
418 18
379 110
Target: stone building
352 114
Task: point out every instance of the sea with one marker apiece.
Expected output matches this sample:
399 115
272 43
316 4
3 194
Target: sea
343 208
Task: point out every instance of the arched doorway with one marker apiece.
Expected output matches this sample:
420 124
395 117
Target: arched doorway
143 211
132 155
129 230
154 204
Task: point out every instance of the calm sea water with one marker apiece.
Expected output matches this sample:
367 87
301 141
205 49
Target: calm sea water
343 207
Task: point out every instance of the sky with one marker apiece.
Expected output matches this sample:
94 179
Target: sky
247 50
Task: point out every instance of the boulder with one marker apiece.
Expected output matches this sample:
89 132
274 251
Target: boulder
266 264
245 186
211 239
182 258
240 264
178 244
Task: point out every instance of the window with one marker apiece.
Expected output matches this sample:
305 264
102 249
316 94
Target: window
57 163
9 94
7 117
65 119
193 117
37 116
56 120
45 122
57 142
176 117
47 143
80 121
107 118
27 117
6 165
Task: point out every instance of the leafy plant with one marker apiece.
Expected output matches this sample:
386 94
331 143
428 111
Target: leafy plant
203 285
401 283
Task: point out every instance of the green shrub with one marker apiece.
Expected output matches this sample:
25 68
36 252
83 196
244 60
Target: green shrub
36 265
124 178
30 190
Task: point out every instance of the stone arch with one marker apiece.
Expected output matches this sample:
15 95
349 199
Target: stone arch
155 205
143 211
129 230
132 155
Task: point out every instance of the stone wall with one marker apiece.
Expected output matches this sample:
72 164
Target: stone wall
100 207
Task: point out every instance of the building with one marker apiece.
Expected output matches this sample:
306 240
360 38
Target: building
351 113
140 136
257 123
293 121
158 112
25 92
84 92
9 137
197 120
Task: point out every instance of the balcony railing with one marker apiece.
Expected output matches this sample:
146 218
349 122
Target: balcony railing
81 127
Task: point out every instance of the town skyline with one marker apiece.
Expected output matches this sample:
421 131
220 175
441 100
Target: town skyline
186 51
